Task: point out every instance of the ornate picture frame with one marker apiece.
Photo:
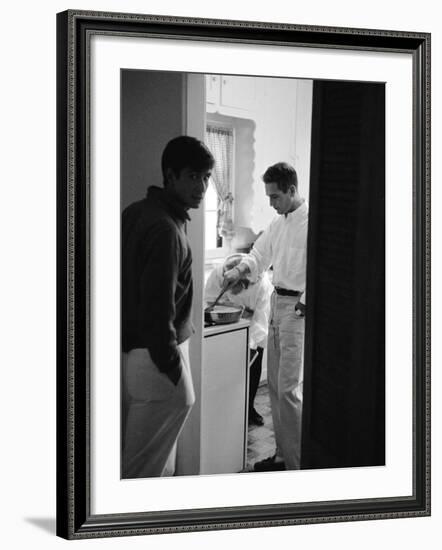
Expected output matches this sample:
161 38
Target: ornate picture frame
75 516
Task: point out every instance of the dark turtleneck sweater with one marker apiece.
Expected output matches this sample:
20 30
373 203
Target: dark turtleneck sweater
156 279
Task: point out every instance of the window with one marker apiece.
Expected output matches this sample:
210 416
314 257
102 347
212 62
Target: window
213 239
219 229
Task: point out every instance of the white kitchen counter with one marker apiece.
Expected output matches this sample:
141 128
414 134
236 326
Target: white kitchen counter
227 327
224 401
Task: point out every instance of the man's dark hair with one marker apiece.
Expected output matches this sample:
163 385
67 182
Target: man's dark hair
185 152
282 174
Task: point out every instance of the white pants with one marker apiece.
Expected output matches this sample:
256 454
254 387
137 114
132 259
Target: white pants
285 373
154 412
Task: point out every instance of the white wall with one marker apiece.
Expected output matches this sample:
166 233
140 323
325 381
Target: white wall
28 276
278 137
273 126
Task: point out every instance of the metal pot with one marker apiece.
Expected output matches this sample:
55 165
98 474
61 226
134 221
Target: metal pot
223 314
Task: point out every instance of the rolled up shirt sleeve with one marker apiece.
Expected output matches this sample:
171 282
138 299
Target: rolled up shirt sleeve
258 260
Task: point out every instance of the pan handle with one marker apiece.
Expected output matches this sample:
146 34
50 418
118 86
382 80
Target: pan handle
220 295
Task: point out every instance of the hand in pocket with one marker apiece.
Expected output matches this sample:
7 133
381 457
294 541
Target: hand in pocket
144 381
300 309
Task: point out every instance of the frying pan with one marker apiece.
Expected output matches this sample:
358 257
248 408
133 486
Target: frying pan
223 314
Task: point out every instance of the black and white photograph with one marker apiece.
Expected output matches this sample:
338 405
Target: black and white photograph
256 341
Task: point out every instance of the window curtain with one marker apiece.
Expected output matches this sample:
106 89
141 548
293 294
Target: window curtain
219 140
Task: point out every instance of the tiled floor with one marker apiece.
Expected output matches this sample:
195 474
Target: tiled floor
261 441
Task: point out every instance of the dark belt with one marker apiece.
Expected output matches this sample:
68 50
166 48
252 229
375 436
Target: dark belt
285 292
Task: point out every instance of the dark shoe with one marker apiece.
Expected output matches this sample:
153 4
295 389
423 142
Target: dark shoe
269 465
255 418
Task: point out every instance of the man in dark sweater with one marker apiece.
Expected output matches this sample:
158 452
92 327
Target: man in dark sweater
156 279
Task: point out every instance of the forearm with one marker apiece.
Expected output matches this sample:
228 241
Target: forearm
258 260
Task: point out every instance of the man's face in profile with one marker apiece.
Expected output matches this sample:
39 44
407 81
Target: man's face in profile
280 201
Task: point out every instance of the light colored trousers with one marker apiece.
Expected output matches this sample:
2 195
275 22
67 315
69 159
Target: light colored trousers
154 412
285 373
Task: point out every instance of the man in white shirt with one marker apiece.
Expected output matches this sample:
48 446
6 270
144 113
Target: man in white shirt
283 245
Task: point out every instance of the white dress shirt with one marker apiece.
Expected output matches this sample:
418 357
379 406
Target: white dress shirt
256 298
284 246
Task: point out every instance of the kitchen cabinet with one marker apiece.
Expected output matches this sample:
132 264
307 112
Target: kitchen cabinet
224 401
213 89
231 95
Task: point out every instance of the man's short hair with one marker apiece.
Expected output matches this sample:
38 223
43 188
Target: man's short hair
185 152
283 174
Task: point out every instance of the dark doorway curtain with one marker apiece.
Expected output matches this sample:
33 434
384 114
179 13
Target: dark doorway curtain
344 379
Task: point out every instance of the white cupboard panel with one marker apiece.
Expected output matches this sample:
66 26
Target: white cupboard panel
224 402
